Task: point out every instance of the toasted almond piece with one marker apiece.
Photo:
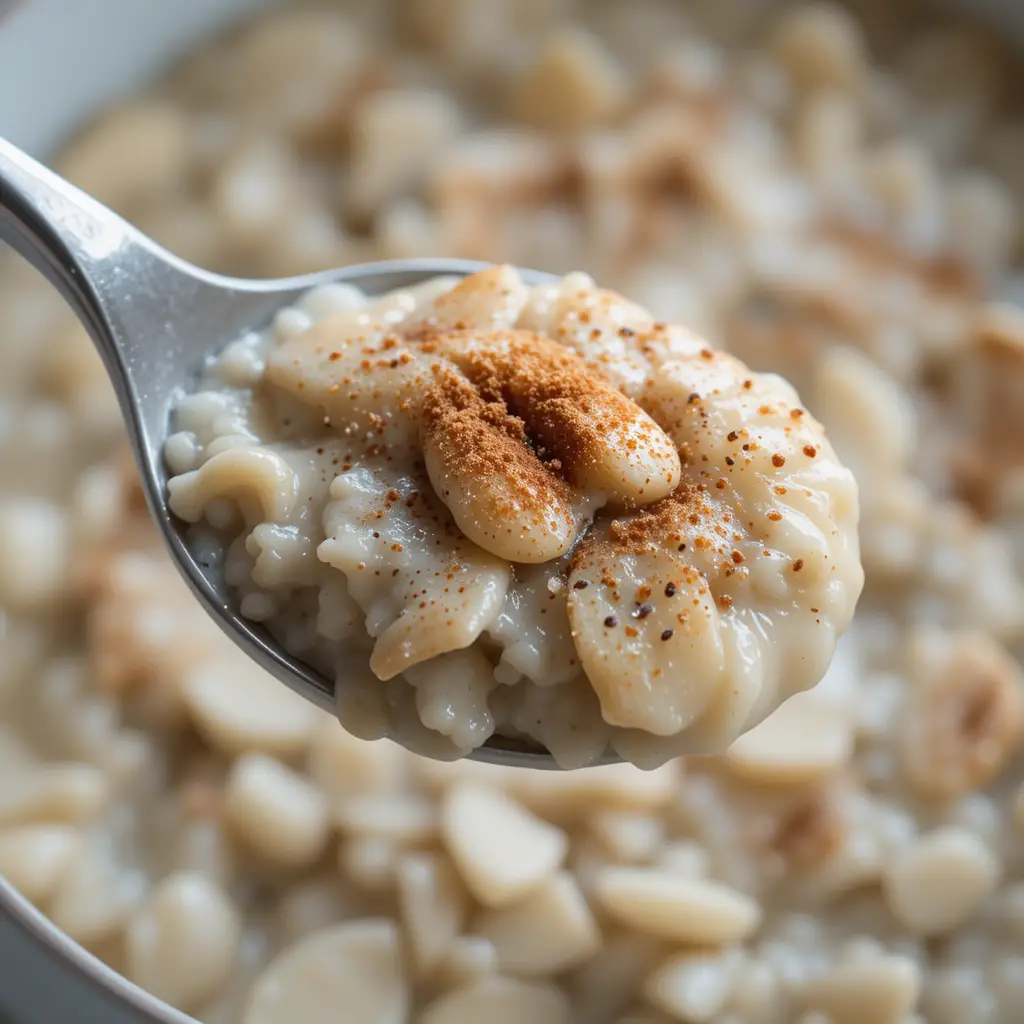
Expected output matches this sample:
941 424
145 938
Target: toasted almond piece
671 906
402 818
549 931
498 1000
488 300
565 796
352 969
276 811
433 905
501 850
34 858
181 943
805 739
658 686
693 987
964 719
882 991
237 707
938 882
342 764
95 897
602 439
70 793
575 84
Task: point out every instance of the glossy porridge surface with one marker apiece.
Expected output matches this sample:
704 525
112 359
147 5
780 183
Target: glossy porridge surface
836 197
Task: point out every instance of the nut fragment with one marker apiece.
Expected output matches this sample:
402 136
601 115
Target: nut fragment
964 716
34 858
501 850
940 881
803 740
573 85
276 811
353 968
549 931
238 707
670 906
882 991
181 943
67 793
808 831
520 396
499 1000
432 902
398 817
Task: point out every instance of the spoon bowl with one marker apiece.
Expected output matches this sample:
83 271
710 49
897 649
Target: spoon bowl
154 319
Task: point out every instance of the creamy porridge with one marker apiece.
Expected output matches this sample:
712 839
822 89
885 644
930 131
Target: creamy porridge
831 196
503 499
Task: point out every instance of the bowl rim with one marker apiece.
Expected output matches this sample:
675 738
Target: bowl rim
55 943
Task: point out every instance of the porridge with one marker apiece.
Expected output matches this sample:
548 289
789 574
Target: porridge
830 193
621 524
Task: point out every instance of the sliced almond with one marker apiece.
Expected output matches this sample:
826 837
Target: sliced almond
883 991
275 811
352 971
181 944
804 740
70 793
501 850
498 1000
938 882
671 906
238 707
433 905
403 818
34 858
549 931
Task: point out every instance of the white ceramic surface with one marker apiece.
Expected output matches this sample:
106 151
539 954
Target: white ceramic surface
60 62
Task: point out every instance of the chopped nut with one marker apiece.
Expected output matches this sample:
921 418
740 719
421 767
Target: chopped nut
547 932
882 991
963 719
671 906
501 850
808 832
574 84
937 883
803 740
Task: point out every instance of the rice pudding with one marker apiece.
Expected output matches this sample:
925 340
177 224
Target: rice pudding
506 501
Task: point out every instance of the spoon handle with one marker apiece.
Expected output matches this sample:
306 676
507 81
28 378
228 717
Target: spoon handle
74 241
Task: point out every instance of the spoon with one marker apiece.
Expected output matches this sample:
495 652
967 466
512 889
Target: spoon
154 318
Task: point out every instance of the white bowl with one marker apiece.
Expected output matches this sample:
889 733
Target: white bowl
61 61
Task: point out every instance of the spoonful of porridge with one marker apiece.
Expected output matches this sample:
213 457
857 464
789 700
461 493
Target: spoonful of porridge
479 510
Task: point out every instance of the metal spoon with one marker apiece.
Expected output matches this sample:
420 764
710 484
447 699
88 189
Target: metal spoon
154 318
